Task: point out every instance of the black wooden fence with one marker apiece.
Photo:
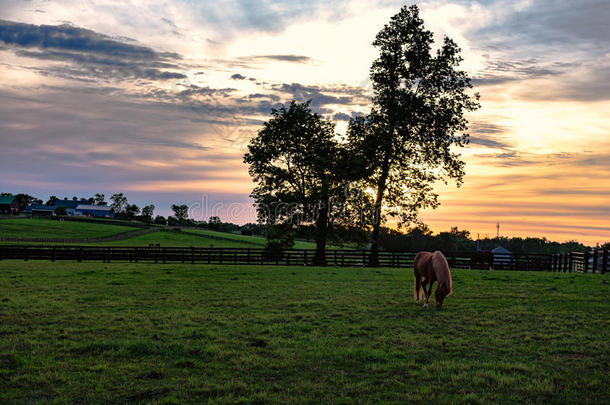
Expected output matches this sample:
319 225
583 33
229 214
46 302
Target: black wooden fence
594 261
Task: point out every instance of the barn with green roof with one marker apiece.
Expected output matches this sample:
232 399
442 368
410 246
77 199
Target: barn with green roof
8 205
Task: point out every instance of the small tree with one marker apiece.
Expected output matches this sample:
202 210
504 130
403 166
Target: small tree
51 201
24 200
61 210
131 210
119 203
99 199
181 212
147 213
214 223
279 238
160 220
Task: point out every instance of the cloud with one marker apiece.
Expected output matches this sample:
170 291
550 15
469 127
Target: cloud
588 84
280 58
68 37
341 117
486 134
94 55
322 96
498 71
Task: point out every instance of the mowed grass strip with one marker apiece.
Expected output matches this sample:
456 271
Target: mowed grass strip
49 228
172 238
122 332
248 241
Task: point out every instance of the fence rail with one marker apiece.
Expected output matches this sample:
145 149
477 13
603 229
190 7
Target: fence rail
594 261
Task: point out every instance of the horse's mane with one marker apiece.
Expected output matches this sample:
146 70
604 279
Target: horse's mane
441 268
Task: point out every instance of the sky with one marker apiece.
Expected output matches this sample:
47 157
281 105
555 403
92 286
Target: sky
158 100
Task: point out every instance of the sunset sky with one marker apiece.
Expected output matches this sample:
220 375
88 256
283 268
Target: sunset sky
159 99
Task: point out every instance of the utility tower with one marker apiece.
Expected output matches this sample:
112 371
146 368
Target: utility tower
498 230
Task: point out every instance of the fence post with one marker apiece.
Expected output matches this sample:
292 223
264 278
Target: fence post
604 261
586 265
557 262
305 257
25 254
570 262
53 254
593 268
248 256
192 255
79 258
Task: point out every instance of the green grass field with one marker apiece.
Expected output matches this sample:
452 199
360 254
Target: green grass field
49 228
119 332
177 239
245 241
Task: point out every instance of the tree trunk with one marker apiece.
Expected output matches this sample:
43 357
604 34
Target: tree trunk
381 186
319 258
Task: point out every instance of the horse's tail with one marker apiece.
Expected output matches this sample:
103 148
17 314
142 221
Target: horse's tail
449 284
417 287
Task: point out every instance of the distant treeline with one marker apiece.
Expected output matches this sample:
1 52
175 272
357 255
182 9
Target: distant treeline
459 240
421 238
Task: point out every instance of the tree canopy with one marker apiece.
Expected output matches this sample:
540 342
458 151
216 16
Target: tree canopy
300 170
420 98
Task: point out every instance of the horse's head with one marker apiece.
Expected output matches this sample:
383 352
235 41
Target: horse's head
439 295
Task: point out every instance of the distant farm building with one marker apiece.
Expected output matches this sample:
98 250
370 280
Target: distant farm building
73 208
99 211
39 210
9 205
502 257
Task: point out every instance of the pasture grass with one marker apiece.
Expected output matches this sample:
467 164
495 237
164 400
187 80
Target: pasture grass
49 228
248 241
173 334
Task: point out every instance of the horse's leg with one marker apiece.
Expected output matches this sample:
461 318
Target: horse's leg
429 291
426 294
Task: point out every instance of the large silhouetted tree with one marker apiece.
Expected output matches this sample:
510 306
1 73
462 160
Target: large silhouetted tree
419 101
300 170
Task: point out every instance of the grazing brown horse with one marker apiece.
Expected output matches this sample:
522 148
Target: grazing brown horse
428 268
